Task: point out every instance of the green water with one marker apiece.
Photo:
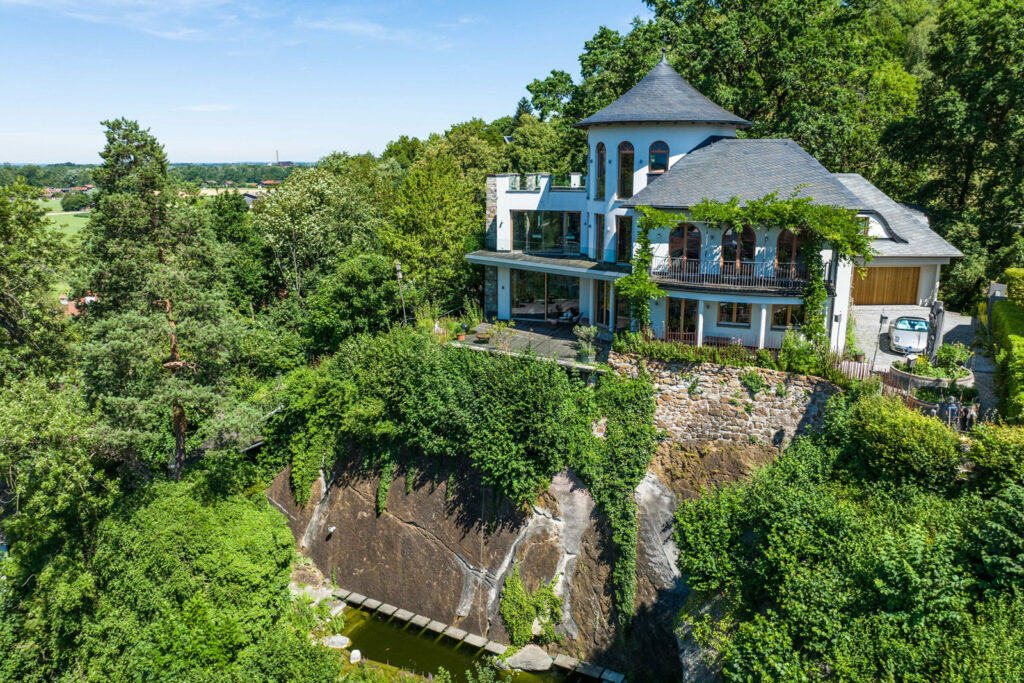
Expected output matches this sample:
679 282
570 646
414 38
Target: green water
401 644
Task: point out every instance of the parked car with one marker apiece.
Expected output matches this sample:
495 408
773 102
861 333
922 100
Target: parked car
909 335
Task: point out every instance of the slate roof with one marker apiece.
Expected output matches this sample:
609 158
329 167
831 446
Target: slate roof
662 96
908 227
722 168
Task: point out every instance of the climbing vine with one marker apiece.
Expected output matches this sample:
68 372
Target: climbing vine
519 610
638 286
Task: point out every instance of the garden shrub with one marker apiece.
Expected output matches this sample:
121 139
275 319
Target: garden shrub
1008 335
1015 285
901 442
1001 537
998 450
798 354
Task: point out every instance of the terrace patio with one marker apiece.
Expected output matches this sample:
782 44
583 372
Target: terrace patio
542 339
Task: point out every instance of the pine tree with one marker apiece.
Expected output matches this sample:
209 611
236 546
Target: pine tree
160 337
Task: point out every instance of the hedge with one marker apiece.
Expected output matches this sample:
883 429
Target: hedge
1007 326
1015 285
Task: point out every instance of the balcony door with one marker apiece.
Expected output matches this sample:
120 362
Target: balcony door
787 256
684 250
738 248
681 324
539 296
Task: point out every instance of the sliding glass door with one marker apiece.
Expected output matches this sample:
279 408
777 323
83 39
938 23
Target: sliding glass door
539 296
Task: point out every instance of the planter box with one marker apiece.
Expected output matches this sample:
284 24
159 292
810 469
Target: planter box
907 380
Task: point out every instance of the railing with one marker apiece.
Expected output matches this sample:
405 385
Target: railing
524 182
715 273
566 248
532 182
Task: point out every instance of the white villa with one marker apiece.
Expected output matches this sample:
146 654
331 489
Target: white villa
554 249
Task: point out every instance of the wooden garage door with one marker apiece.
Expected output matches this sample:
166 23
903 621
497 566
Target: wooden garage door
886 286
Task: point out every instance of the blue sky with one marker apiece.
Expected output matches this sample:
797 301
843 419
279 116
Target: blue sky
227 80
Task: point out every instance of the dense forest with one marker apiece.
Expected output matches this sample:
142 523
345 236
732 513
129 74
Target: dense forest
141 544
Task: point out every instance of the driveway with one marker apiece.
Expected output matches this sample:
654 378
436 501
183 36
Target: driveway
866 330
956 327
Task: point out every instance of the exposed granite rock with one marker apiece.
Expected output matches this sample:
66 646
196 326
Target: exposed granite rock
530 658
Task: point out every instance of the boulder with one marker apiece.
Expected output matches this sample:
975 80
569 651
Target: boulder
530 658
355 657
336 642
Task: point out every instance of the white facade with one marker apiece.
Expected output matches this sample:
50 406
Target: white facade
567 281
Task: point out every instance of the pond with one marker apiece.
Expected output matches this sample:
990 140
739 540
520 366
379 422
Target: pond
401 644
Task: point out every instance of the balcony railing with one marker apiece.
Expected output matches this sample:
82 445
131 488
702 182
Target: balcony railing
566 248
532 182
747 275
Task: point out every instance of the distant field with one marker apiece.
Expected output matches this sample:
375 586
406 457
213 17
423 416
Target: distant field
51 205
70 224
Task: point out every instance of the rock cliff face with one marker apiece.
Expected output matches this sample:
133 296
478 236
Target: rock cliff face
443 549
444 543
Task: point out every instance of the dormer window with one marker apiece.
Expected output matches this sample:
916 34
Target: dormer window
625 170
659 157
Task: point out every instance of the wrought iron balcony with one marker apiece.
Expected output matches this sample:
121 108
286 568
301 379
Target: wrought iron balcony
745 275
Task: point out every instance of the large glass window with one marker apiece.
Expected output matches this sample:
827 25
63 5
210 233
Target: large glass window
659 157
787 315
528 295
734 314
625 170
552 232
539 296
602 170
623 239
738 249
599 235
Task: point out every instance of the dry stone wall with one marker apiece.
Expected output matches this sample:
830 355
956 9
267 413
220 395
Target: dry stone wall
700 402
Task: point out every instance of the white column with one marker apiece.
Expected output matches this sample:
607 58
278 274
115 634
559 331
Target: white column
700 322
764 319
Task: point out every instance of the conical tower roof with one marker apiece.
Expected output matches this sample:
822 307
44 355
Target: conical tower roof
662 96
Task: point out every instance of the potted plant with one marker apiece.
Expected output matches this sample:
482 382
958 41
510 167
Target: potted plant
586 334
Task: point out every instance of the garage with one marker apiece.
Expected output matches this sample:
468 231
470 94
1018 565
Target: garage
887 285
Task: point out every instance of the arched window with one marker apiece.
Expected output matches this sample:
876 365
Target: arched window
601 170
737 249
625 170
659 157
787 254
684 242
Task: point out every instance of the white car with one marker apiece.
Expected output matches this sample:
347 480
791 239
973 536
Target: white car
908 335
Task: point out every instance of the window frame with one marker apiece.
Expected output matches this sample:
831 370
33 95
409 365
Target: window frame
687 228
602 171
626 148
791 322
650 156
739 260
619 233
734 307
599 236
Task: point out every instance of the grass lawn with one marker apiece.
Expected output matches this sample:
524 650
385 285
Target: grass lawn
70 224
51 205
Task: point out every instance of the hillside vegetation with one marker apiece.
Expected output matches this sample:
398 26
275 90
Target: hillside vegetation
141 545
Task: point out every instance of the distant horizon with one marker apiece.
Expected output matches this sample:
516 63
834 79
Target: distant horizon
243 78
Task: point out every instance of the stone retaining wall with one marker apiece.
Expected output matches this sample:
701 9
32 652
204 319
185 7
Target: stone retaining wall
709 402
